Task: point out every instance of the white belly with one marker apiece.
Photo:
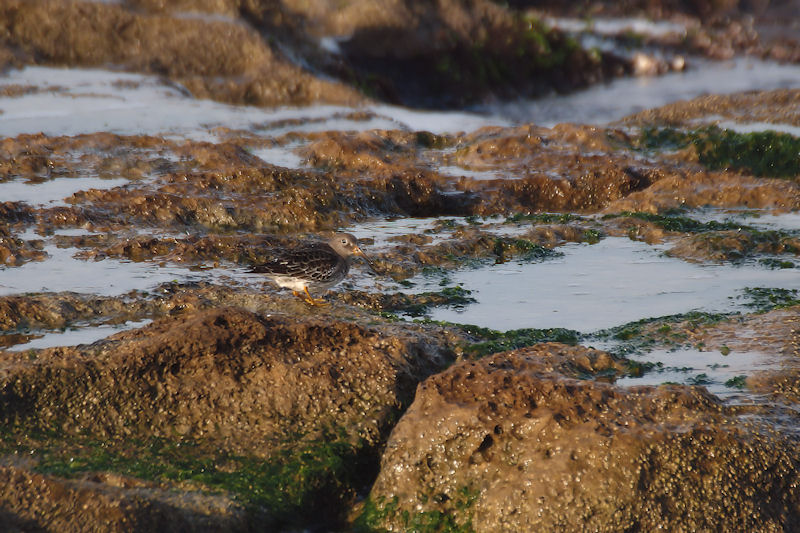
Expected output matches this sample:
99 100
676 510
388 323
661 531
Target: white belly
290 282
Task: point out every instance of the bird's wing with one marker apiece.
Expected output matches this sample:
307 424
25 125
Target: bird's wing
309 262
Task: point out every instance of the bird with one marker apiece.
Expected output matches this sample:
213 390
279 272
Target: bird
315 265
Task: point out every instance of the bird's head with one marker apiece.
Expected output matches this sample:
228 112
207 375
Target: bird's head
346 245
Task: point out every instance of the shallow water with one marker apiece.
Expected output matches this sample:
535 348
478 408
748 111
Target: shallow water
624 96
53 192
591 287
74 101
74 336
751 127
758 219
109 277
281 156
456 171
598 286
710 369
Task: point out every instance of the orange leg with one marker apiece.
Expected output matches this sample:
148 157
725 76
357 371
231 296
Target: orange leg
307 298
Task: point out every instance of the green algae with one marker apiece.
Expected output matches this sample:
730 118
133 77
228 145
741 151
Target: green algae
648 333
456 518
506 249
543 218
487 341
501 341
417 305
674 222
761 299
302 484
521 55
762 154
776 264
700 379
426 139
591 236
737 382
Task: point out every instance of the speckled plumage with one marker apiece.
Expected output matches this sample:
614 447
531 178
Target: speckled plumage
313 266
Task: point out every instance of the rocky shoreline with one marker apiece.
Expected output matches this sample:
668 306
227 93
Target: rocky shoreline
198 397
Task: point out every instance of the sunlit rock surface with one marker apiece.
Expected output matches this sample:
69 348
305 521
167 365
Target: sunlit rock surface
515 442
149 380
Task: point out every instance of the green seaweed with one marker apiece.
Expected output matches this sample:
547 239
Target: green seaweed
420 304
301 485
763 153
427 139
592 236
646 334
700 379
737 382
492 341
763 299
487 341
776 264
543 218
456 517
522 249
672 222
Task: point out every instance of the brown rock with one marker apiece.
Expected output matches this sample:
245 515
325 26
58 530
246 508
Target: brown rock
225 375
108 503
212 58
732 245
781 106
685 188
511 443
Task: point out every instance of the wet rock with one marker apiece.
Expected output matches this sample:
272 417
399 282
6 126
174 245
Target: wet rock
15 251
734 245
469 246
566 168
220 59
226 58
776 334
692 189
779 107
463 52
513 442
271 377
222 187
241 249
378 152
411 304
38 157
110 503
13 212
59 310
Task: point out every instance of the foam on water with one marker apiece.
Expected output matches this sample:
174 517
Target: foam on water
752 127
616 26
281 156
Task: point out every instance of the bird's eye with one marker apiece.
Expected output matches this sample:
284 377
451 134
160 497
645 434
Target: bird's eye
344 241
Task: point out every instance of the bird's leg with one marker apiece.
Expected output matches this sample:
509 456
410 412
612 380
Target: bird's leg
311 300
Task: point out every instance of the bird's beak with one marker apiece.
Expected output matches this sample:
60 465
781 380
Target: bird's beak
361 253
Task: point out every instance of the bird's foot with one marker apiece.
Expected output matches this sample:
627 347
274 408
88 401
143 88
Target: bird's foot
310 300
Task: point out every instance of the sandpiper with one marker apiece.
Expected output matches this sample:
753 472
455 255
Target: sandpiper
316 265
